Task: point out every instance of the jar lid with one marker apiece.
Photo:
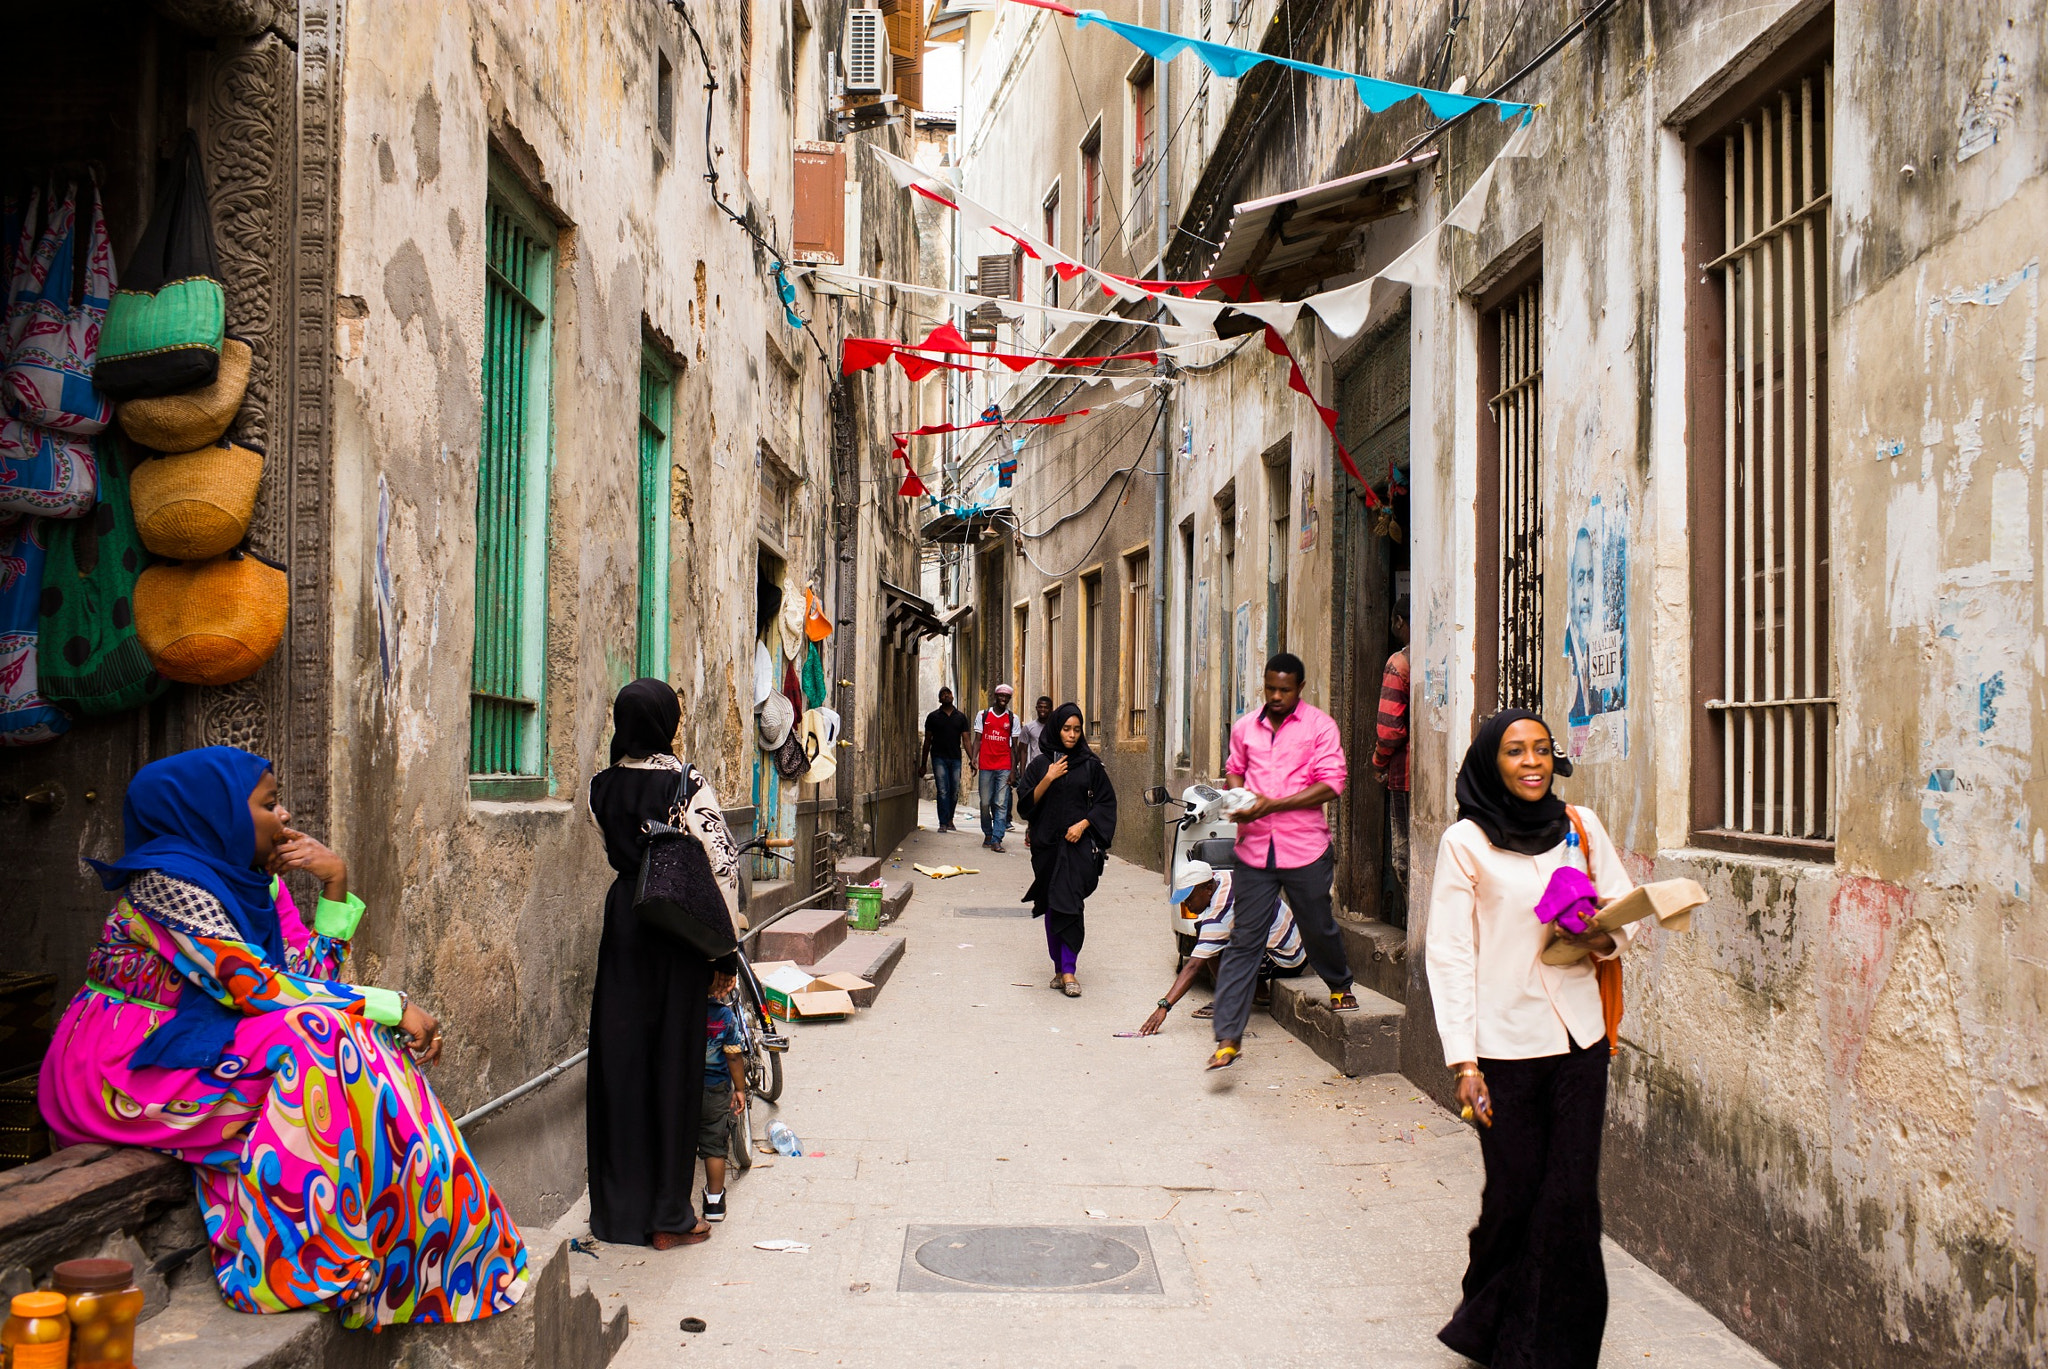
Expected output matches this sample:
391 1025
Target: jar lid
40 1304
94 1276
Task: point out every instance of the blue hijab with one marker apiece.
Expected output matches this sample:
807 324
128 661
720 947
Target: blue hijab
188 816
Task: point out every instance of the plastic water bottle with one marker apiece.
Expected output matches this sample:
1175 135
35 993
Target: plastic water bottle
784 1140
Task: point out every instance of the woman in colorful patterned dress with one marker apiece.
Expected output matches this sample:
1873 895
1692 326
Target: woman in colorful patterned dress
211 1027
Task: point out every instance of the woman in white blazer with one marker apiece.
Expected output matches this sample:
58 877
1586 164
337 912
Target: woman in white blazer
1528 1043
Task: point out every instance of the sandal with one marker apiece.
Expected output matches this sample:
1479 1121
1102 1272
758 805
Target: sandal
1224 1058
1070 988
1344 1002
1205 1012
1058 981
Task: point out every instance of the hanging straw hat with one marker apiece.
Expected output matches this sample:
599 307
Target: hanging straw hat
212 622
790 619
196 418
196 504
777 717
819 734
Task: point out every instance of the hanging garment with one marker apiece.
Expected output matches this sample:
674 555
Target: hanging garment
51 342
813 677
166 325
26 717
45 472
93 662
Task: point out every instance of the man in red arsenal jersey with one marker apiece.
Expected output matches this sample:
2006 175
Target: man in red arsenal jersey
995 729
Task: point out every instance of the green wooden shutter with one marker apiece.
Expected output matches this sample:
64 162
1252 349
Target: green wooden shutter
507 676
657 391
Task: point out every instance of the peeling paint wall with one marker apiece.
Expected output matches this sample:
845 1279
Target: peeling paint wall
489 912
1827 1119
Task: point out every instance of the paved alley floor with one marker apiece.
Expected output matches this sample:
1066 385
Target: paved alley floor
1261 1215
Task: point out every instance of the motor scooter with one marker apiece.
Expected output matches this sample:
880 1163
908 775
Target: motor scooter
1202 832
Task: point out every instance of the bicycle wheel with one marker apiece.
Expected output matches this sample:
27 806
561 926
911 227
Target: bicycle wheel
769 1083
764 1066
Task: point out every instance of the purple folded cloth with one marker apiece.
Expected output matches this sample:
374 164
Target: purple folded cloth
1569 901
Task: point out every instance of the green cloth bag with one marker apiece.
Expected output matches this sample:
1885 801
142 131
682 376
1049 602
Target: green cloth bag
813 677
91 660
167 320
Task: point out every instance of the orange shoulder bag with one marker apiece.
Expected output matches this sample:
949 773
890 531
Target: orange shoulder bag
1607 973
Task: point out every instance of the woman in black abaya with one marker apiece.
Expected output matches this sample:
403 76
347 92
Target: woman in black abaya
646 1076
1071 806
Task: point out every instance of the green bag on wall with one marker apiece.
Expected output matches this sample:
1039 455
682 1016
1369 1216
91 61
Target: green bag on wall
168 318
91 660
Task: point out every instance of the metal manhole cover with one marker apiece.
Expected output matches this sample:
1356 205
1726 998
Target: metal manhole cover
1027 1259
1011 910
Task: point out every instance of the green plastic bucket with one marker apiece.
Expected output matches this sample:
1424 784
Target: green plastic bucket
864 906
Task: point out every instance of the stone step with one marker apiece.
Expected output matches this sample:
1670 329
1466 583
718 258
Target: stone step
805 936
554 1326
895 897
870 955
1379 955
859 869
76 1202
1364 1042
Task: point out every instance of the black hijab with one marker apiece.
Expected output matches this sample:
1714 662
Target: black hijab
1049 737
1510 823
645 717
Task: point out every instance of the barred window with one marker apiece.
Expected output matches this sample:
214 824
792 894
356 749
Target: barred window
1765 739
1511 496
508 669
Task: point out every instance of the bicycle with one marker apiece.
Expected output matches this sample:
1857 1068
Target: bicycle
761 1046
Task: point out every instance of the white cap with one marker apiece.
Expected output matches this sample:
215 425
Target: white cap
1004 689
1189 877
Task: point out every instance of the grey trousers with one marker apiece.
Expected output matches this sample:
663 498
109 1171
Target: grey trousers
1257 898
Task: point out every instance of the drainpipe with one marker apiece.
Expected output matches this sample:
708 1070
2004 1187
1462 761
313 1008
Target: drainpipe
1160 557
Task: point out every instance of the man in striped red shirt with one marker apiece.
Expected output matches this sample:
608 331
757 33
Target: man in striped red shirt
1390 748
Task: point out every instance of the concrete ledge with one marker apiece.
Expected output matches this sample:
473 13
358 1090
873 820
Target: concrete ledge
553 1325
870 955
62 1204
895 897
805 936
1364 1042
859 869
1379 956
768 897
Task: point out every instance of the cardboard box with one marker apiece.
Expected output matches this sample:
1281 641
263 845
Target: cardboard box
793 995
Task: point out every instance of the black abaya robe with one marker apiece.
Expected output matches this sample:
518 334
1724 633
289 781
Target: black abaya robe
1064 873
647 1012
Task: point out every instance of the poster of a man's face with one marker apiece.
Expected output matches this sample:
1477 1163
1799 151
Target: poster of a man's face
1596 633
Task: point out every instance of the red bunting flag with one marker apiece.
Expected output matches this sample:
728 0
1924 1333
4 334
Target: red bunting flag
860 353
1298 383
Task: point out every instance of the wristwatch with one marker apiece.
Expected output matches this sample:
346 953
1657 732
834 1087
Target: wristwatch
1166 1004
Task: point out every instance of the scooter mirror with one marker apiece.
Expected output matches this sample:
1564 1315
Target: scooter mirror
1157 796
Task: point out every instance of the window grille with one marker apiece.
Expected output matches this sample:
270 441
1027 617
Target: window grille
1135 681
1091 199
657 397
1091 651
1517 407
1776 710
507 672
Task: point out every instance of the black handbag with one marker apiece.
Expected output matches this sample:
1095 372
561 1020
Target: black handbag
677 893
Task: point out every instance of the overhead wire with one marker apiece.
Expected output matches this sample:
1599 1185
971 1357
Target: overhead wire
1158 413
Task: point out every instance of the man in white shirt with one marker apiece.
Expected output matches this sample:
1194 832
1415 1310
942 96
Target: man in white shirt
1207 893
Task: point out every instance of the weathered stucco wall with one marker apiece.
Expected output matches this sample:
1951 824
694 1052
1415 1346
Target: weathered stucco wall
1827 1119
489 912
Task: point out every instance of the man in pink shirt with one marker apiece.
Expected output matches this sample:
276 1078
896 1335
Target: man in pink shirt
1289 755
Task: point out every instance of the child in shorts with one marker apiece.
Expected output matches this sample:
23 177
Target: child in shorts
725 1092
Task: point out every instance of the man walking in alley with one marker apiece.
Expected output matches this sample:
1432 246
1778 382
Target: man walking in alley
1390 749
1288 754
995 729
943 728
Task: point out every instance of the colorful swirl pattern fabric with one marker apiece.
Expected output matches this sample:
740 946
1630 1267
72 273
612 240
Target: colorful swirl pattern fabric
329 1174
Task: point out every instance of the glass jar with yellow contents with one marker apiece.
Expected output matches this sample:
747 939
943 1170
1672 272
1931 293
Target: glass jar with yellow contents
37 1333
103 1303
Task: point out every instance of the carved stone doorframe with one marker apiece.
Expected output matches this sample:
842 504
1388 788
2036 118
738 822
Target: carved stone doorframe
266 109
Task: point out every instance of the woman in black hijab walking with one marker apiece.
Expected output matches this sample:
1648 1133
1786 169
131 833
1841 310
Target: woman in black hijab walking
1071 806
1529 1043
646 1077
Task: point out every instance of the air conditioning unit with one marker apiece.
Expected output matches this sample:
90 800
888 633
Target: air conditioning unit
868 63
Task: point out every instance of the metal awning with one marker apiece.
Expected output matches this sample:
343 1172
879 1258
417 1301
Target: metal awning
911 617
1289 242
964 528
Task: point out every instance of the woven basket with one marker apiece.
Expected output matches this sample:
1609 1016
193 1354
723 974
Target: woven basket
196 418
212 622
196 504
